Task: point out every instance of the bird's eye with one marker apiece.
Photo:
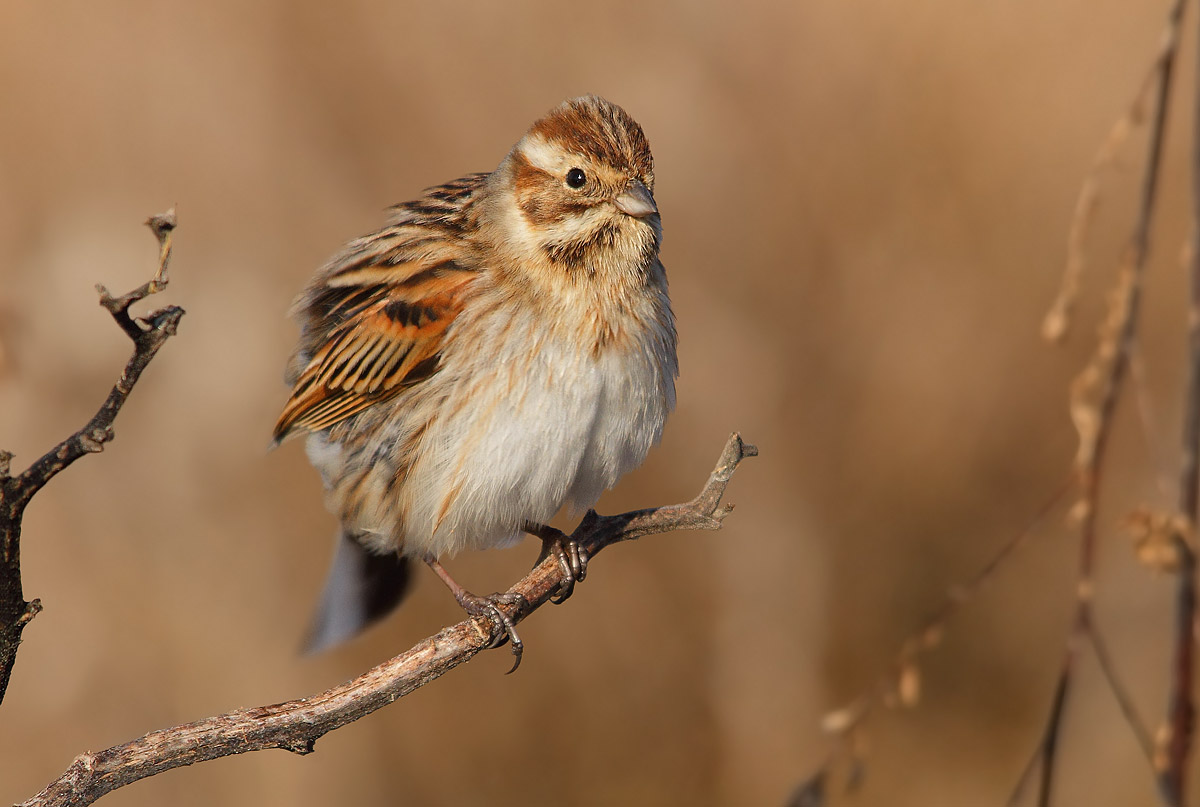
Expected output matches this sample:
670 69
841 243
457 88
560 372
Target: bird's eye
576 178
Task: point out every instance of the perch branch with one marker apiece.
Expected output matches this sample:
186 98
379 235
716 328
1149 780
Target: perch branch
297 725
148 336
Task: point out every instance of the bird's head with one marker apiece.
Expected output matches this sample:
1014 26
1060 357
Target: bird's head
580 191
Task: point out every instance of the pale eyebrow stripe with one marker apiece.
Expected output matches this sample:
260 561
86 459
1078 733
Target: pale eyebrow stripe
541 154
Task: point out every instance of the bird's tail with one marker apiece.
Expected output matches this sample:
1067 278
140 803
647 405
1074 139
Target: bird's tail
362 588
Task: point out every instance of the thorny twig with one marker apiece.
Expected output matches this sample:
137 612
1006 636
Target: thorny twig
297 725
148 336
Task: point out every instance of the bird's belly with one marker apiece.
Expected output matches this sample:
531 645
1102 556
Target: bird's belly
635 398
514 445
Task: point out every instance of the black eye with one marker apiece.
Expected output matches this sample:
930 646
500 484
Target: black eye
576 178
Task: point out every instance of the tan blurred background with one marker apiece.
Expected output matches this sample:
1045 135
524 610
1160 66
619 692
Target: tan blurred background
865 208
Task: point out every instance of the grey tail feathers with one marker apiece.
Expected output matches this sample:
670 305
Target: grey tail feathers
362 588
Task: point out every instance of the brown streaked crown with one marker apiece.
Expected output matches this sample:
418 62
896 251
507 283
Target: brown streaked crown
591 125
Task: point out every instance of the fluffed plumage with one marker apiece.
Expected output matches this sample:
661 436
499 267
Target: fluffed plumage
503 346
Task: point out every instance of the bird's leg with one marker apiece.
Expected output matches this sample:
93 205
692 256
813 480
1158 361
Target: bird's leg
571 556
485 606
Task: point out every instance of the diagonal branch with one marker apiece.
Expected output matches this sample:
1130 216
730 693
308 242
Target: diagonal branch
148 336
297 725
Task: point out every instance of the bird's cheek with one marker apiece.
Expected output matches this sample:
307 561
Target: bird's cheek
534 209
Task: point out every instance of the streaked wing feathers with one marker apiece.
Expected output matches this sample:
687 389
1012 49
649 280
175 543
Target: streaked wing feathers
375 319
388 343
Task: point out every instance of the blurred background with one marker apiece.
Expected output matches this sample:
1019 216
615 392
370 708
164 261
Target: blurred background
865 206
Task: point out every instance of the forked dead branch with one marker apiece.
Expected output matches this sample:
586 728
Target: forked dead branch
148 335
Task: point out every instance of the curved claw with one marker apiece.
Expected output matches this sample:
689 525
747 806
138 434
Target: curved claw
572 557
574 560
489 607
579 560
564 592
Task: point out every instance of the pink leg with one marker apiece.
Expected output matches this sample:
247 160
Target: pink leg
485 606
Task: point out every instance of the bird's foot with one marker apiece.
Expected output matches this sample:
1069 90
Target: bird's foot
488 607
572 557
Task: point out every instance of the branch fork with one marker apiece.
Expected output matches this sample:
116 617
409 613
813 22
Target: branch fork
148 336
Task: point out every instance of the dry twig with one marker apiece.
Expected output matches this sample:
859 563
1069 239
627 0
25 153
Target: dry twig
1181 707
1094 395
297 725
1058 319
900 683
148 335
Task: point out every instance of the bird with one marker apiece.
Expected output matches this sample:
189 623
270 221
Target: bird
502 346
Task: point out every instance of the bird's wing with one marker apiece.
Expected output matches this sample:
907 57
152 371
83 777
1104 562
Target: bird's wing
375 319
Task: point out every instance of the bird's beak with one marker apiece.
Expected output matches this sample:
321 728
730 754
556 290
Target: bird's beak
636 200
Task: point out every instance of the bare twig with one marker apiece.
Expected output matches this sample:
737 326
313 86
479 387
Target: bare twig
148 336
297 725
900 682
1094 396
1058 319
1043 757
1181 708
1105 661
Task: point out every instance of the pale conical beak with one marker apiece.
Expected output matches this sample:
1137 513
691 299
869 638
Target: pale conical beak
636 201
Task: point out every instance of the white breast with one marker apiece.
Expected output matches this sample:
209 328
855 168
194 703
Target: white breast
537 429
635 398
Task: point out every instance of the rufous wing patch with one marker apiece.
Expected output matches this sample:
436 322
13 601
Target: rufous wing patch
389 341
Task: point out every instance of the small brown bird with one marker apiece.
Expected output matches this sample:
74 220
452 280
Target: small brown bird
503 346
